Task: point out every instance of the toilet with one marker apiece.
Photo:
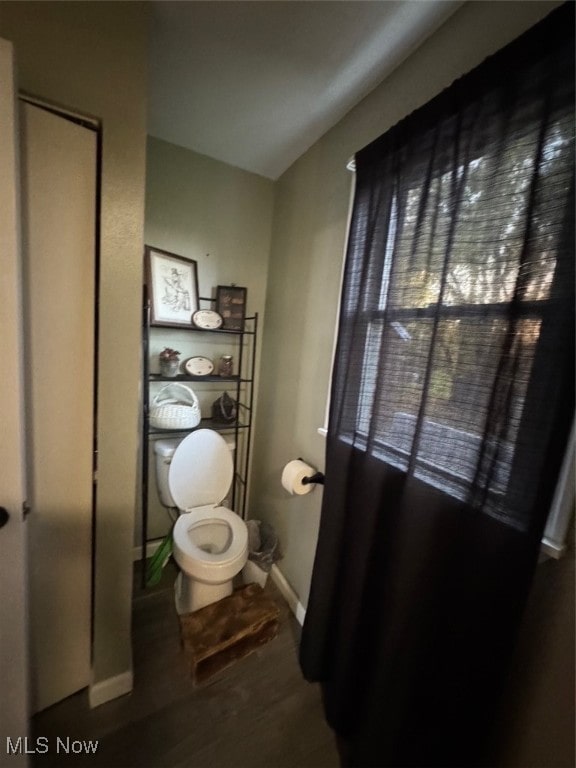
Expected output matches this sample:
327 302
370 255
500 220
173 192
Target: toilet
210 541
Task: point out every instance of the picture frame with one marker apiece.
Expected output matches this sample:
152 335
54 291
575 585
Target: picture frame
172 287
231 305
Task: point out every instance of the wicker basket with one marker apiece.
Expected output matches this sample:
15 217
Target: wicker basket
175 406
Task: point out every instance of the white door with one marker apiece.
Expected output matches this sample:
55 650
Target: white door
13 634
58 179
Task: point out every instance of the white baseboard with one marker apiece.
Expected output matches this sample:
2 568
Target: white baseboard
151 547
288 594
112 688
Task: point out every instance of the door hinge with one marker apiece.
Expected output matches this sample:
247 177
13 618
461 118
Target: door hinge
26 509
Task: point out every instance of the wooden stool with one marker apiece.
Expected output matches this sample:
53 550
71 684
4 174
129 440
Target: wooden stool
221 633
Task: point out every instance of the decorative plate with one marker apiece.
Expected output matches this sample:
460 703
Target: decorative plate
199 366
207 319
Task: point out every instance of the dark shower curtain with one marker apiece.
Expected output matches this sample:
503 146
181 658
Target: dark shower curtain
451 405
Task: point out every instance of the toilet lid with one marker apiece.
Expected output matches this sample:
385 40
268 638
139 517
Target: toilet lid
201 470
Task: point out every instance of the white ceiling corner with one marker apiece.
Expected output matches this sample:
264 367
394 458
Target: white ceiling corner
254 83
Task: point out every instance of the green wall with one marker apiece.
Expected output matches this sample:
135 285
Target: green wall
221 217
211 212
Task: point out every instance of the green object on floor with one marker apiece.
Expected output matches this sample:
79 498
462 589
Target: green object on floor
158 561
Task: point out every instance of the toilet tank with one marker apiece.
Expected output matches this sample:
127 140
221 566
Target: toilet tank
163 452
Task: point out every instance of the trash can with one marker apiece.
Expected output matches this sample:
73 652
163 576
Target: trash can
263 552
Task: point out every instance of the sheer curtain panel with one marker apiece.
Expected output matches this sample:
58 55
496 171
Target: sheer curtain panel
451 405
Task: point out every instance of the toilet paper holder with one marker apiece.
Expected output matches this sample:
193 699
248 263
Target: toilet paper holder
317 477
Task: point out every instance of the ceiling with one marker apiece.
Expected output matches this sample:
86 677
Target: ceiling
254 83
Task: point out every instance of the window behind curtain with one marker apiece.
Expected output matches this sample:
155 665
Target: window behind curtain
457 265
451 404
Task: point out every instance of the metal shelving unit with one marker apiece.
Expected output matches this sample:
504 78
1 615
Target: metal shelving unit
241 384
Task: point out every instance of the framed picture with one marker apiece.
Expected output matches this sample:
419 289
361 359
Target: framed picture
172 286
231 304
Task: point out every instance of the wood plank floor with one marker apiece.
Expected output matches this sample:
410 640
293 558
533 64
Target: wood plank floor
260 713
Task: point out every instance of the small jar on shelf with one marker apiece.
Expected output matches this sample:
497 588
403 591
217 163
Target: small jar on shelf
226 366
169 360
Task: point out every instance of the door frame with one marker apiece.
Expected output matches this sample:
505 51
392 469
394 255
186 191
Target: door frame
93 126
14 651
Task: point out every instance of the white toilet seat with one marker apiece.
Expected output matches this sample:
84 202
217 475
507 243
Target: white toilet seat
207 566
201 470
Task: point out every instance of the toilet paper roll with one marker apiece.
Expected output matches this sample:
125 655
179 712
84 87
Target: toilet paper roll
293 474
